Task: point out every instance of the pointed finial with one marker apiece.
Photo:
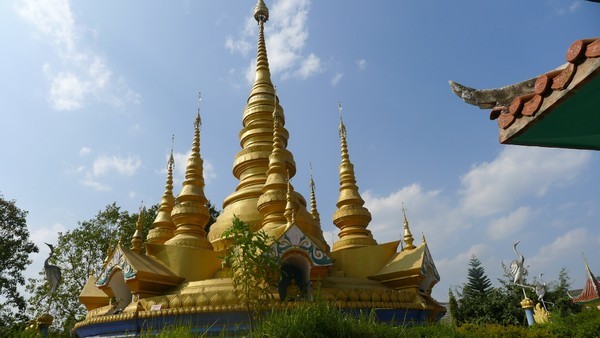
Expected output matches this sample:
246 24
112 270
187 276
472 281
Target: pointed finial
342 126
136 239
261 12
423 238
313 199
198 121
408 238
171 161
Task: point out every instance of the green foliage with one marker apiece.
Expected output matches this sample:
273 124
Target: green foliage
14 259
252 261
478 284
79 253
556 295
584 324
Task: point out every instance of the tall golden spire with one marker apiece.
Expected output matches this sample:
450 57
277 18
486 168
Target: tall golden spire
272 203
163 226
252 162
408 237
313 199
136 239
190 213
351 217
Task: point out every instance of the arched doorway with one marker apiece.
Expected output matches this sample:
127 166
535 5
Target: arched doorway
295 270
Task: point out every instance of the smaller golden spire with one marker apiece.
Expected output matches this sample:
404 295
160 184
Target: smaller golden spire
136 240
190 213
313 199
351 217
408 238
423 238
163 226
290 211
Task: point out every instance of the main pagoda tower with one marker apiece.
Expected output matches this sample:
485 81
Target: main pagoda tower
180 275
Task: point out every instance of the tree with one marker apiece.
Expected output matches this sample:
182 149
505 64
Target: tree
557 297
14 258
79 253
478 284
253 264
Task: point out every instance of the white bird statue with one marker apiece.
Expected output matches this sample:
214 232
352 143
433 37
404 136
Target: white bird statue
540 290
516 268
53 274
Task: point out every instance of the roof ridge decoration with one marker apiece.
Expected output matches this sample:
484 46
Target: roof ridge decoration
591 291
526 101
163 226
351 217
136 239
190 213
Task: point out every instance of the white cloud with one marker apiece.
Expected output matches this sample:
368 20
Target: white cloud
571 9
550 253
67 92
89 181
46 234
336 78
362 64
84 75
496 186
52 18
505 226
123 166
84 151
309 66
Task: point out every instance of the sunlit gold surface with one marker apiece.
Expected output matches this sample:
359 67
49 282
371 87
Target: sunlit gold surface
181 271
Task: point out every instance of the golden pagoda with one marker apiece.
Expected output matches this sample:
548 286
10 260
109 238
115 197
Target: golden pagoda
180 274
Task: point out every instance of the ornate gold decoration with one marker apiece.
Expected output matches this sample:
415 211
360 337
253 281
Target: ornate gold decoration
163 226
351 217
541 315
290 207
190 213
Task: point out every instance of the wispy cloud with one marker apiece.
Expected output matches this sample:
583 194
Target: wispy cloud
492 187
104 165
336 78
82 75
362 64
572 8
508 225
84 151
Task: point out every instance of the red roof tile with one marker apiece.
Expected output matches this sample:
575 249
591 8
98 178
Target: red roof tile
591 292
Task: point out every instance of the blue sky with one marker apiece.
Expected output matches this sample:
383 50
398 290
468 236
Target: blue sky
92 91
